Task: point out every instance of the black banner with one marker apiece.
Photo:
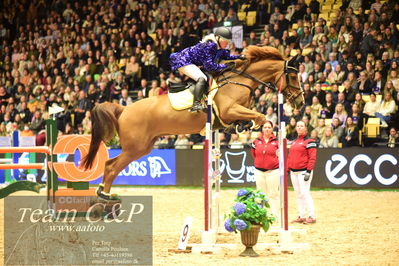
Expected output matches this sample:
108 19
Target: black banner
370 168
357 168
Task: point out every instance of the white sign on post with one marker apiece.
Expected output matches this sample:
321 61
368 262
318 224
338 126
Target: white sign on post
185 233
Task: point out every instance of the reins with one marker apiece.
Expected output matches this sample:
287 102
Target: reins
287 69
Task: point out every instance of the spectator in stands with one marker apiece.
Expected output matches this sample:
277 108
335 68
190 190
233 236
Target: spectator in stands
329 140
371 107
82 106
307 94
364 86
328 108
320 94
290 129
386 110
342 100
341 114
321 127
235 142
350 136
271 116
316 109
303 75
337 128
393 77
357 116
306 120
306 38
182 142
359 101
125 99
369 44
393 138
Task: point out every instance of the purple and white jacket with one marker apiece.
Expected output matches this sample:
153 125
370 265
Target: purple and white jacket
205 54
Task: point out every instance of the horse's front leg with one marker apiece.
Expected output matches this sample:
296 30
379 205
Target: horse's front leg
238 112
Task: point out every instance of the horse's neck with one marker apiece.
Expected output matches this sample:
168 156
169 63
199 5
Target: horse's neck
265 70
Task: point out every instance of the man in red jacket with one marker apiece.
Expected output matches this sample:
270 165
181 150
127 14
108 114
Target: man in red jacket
264 150
301 161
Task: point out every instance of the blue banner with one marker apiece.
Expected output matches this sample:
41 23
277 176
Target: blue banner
155 169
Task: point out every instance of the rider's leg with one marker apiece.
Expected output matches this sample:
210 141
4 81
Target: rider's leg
201 86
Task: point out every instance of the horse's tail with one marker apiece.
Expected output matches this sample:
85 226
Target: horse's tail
104 119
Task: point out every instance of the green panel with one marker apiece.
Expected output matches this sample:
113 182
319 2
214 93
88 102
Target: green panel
78 185
32 159
51 140
8 172
20 185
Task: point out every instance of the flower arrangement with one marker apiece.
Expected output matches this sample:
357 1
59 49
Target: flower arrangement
251 208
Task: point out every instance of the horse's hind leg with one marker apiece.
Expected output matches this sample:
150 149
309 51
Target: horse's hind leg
115 165
112 168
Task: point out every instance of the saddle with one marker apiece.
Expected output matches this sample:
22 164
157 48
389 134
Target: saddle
180 86
181 95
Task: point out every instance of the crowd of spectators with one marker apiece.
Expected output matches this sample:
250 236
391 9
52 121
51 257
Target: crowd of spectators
79 53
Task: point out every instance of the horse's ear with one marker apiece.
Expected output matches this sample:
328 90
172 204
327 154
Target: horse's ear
292 61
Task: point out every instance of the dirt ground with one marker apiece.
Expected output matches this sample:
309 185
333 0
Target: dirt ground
353 228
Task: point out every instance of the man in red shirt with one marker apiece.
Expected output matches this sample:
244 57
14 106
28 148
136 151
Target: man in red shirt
301 161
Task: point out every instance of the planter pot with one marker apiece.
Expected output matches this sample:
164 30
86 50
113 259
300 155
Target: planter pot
249 238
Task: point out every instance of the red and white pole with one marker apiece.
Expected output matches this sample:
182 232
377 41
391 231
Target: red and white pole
282 141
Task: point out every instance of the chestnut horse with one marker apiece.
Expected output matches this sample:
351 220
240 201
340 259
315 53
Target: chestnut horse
140 124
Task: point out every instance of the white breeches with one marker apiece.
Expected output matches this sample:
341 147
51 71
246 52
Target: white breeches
269 183
302 192
193 72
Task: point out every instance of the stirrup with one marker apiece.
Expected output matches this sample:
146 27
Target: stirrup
197 107
104 195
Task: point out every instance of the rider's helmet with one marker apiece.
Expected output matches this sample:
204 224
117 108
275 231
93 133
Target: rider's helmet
223 37
224 33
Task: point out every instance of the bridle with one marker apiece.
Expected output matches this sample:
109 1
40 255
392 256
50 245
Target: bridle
287 70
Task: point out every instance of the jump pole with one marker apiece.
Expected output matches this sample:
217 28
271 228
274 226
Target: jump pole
285 237
212 176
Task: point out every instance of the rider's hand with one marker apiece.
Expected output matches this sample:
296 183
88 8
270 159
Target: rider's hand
229 66
306 176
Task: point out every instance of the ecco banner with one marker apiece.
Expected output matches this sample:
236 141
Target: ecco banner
357 168
335 168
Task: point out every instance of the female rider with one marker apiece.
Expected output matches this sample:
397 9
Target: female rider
205 54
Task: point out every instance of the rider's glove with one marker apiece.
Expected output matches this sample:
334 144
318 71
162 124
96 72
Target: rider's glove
229 66
306 176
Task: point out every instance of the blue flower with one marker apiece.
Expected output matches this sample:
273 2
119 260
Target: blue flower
240 208
242 192
240 224
227 225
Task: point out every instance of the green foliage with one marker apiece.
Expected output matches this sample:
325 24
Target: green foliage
250 207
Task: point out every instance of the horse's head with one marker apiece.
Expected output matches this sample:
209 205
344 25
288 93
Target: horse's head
292 89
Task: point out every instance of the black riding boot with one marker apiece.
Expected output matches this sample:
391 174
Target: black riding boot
200 88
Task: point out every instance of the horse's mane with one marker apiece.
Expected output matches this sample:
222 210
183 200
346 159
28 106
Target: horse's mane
258 53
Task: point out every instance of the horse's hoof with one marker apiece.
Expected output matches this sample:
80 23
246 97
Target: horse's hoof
240 129
106 196
254 126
